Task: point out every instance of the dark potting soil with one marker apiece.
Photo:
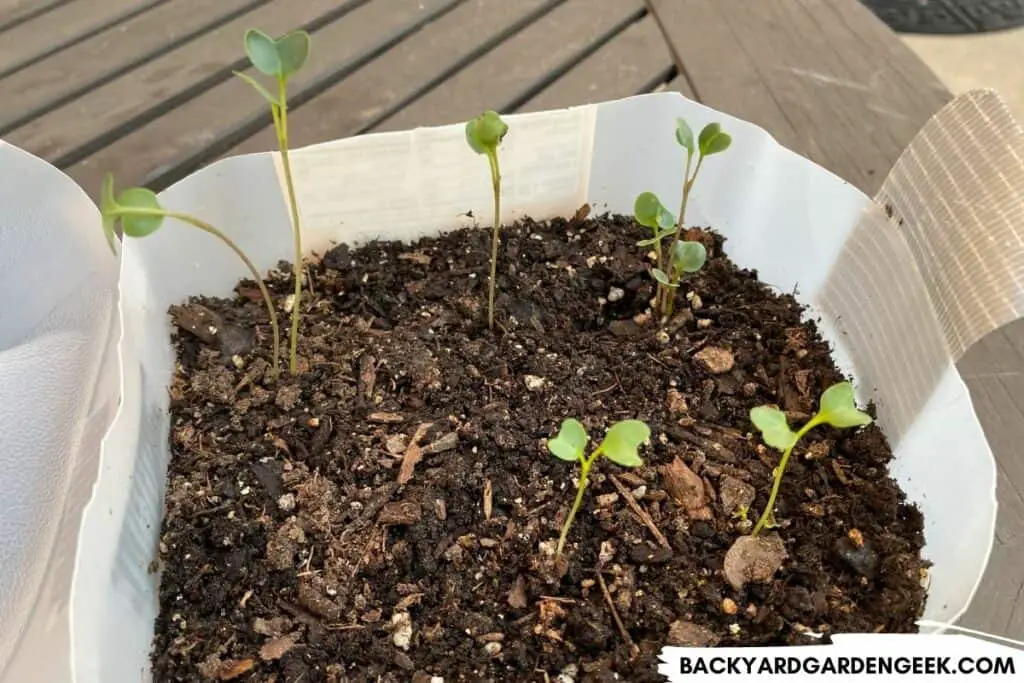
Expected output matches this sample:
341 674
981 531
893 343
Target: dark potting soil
290 551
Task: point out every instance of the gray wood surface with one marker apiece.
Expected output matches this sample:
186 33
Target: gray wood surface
144 89
62 26
103 56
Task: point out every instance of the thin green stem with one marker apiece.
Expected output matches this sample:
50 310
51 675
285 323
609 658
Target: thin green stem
492 158
584 474
281 124
668 303
779 471
209 229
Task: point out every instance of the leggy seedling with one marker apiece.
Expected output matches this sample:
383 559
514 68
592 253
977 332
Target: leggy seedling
837 408
690 257
139 214
281 59
620 446
682 257
484 134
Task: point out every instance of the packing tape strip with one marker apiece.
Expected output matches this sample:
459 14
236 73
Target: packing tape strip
937 262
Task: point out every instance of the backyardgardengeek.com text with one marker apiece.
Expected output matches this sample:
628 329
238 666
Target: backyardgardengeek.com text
848 665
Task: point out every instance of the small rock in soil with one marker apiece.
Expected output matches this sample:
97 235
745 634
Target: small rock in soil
623 328
735 494
277 648
684 485
534 383
517 595
818 450
288 397
753 560
676 403
271 627
703 530
281 548
312 596
568 674
446 443
645 554
338 258
685 634
860 558
286 502
715 360
395 444
401 630
211 329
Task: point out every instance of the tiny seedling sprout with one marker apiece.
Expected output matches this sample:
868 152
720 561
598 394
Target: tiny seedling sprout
484 134
620 446
281 59
837 408
681 257
139 214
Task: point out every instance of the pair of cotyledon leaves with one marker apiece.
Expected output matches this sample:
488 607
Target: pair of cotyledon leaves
280 58
620 444
485 132
837 408
710 141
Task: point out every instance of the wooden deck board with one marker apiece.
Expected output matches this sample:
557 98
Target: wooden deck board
95 120
81 67
16 11
53 30
823 76
354 104
629 64
502 78
148 154
811 73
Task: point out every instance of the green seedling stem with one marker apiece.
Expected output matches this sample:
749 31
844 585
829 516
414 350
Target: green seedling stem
281 125
281 58
836 408
483 135
620 446
777 473
140 214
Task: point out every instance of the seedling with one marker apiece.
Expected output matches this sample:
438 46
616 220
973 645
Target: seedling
620 446
484 134
837 408
138 213
281 59
682 257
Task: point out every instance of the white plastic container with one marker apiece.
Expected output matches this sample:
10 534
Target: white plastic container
882 291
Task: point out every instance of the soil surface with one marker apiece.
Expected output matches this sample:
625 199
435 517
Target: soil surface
390 513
